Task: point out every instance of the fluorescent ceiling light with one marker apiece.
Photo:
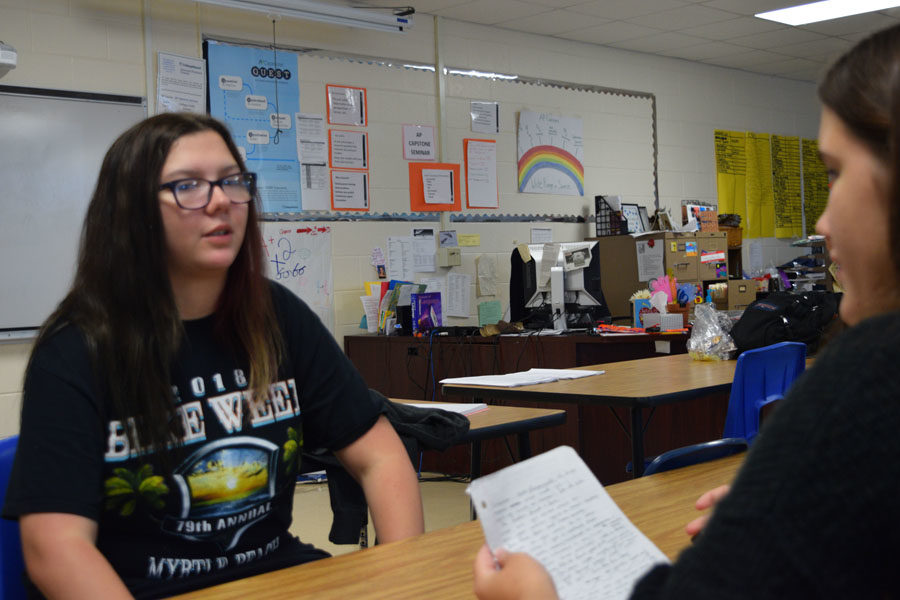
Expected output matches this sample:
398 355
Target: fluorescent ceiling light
825 10
321 12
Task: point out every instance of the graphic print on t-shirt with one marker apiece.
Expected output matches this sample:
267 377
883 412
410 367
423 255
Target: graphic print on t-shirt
224 487
227 483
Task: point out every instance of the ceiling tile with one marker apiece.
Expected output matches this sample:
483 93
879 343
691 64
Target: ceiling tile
743 7
856 37
682 18
720 32
490 13
658 42
747 60
625 9
736 27
852 24
704 51
555 3
823 49
767 69
779 37
553 23
609 33
813 75
788 66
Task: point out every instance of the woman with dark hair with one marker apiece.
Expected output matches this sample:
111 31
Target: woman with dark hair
814 511
168 397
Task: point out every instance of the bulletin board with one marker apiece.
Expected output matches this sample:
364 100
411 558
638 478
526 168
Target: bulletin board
619 129
619 145
52 145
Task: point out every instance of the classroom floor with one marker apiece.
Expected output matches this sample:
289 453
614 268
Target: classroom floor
445 503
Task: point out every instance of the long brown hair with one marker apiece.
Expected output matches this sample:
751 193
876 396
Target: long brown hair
863 88
121 298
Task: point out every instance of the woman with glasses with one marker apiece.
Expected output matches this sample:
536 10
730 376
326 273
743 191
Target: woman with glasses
169 396
814 510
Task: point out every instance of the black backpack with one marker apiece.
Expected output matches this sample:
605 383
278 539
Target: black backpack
785 317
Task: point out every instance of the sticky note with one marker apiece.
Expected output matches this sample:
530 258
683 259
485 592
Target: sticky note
489 313
469 239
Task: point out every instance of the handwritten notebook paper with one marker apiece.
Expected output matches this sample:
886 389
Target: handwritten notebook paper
530 377
552 507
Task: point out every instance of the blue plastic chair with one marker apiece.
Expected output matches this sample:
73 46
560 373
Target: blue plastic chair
12 565
761 377
694 454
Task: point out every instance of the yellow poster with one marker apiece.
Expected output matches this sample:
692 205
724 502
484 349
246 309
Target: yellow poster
815 184
760 195
731 172
786 186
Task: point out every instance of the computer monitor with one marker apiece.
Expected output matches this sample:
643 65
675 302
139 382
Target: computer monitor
560 293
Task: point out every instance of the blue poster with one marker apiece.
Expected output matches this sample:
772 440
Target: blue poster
242 93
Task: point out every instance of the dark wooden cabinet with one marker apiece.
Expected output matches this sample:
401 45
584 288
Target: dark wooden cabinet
410 367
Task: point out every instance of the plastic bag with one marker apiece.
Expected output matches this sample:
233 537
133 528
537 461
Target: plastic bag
710 339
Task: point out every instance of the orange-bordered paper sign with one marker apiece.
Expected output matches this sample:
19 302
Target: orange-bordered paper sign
349 190
348 149
434 186
346 105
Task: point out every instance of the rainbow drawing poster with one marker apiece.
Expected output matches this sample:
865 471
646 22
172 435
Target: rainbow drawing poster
550 154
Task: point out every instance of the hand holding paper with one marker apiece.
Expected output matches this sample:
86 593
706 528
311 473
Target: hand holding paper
552 507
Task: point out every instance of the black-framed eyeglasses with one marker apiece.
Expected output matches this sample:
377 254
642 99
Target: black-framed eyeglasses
195 193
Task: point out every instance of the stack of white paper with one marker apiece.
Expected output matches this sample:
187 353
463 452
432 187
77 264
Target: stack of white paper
463 408
530 377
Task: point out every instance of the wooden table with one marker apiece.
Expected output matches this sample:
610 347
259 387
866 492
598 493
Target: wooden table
438 564
635 384
499 421
401 367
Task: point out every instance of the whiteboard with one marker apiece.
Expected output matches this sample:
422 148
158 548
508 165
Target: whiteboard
51 147
298 256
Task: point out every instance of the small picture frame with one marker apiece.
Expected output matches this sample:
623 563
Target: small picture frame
632 216
645 217
661 221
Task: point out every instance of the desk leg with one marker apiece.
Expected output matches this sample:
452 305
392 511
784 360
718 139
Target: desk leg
475 471
524 442
637 442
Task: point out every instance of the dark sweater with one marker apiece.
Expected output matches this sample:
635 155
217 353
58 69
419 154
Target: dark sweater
815 510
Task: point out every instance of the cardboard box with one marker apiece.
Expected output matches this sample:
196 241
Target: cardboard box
709 220
712 256
681 252
682 255
618 272
706 218
619 276
741 292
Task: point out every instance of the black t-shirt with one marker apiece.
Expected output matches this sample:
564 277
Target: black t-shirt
224 511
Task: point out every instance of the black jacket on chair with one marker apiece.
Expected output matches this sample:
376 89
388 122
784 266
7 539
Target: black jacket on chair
418 428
